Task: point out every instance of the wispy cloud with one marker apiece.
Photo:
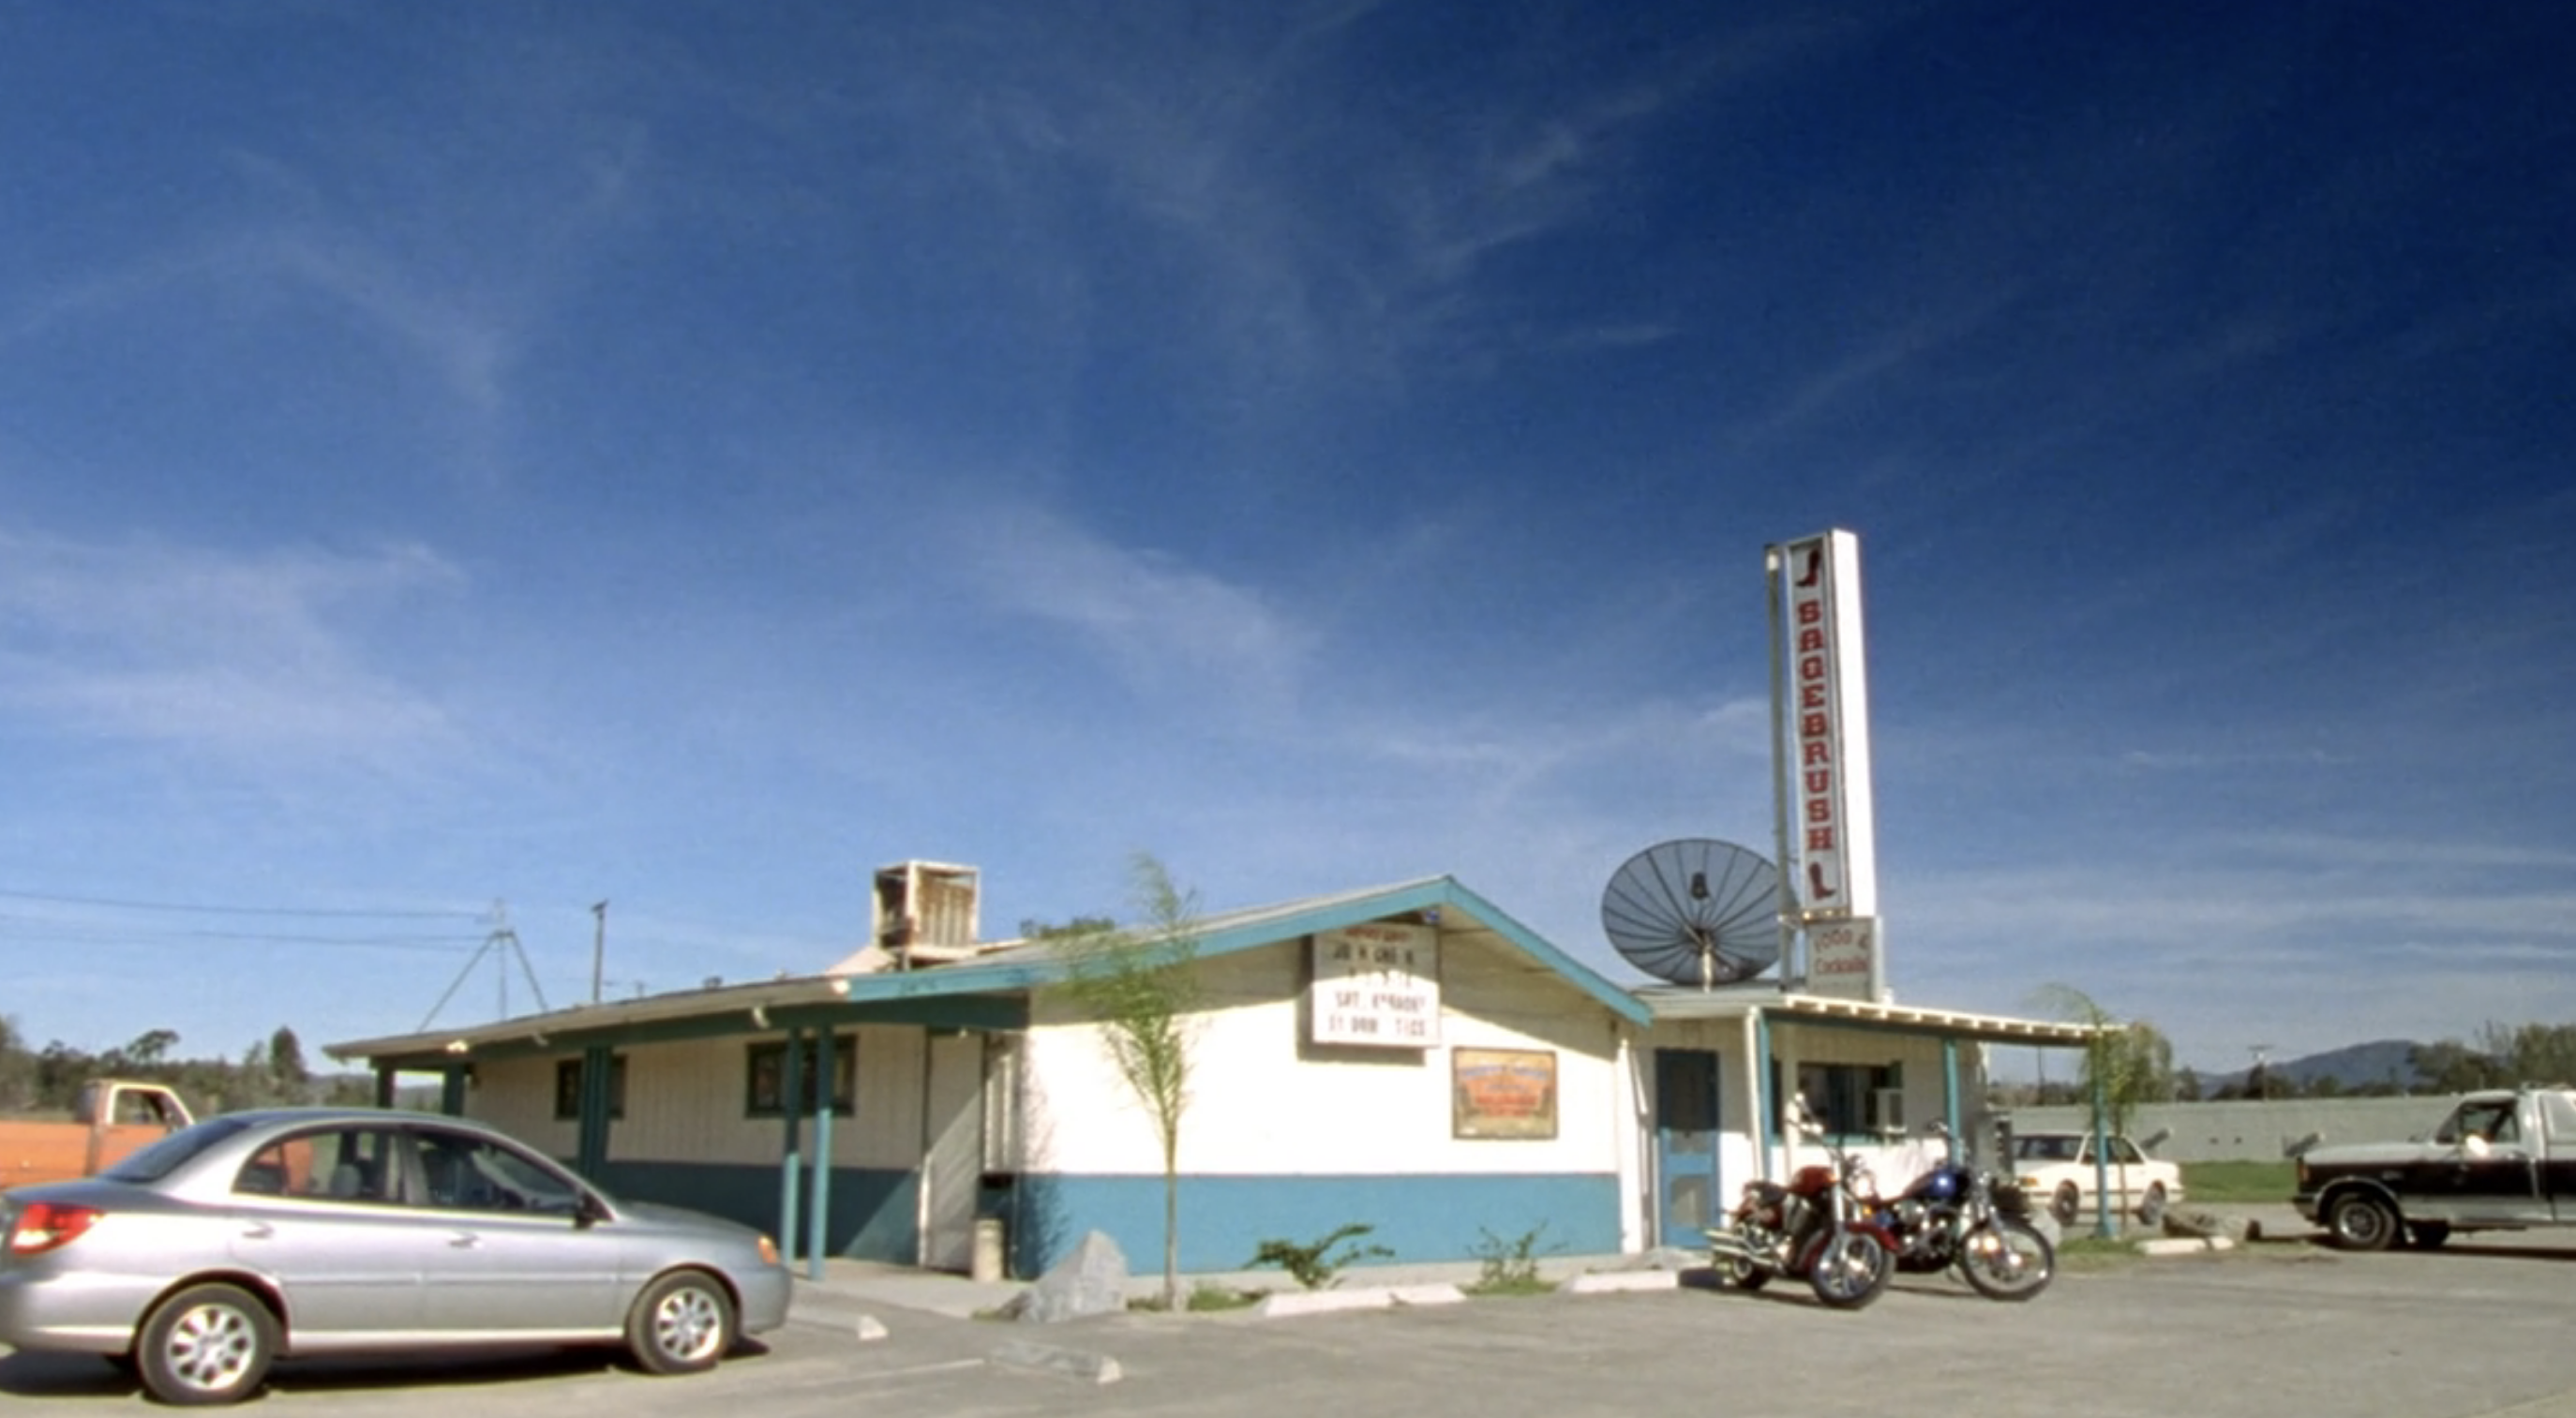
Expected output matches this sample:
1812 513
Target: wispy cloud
234 656
1163 626
2173 760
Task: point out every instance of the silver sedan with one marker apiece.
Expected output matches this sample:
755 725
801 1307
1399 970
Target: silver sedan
302 1231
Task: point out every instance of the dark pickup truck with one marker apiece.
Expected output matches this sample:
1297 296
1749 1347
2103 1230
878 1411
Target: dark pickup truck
2504 1159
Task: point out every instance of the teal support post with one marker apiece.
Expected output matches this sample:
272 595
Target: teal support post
2101 1157
791 1110
1950 1091
1766 1127
818 1208
597 1093
451 1090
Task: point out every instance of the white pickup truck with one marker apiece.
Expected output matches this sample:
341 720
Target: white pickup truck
2504 1159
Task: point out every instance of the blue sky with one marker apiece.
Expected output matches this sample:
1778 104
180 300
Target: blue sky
691 455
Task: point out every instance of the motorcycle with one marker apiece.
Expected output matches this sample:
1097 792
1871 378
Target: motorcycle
1957 1215
1816 1227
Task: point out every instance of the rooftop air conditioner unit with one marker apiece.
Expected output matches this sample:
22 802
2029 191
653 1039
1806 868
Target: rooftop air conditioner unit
925 913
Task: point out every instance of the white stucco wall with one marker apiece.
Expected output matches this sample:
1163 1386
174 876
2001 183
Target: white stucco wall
1266 1102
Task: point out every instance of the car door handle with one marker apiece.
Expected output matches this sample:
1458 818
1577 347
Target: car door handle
257 1231
464 1241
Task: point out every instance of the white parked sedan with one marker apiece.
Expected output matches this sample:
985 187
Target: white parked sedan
2057 1170
257 1236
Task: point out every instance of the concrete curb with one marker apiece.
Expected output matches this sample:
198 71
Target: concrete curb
2185 1245
1281 1304
1619 1281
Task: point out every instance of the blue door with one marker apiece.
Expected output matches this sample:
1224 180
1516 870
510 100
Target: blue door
1686 1144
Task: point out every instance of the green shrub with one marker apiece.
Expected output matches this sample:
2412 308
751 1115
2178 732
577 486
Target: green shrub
1509 1267
1218 1297
1312 1265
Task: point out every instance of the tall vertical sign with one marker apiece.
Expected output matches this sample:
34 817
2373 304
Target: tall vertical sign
1820 722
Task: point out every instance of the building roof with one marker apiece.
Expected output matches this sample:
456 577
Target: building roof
1678 1002
989 990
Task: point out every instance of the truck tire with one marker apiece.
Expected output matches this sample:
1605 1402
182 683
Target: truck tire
2358 1221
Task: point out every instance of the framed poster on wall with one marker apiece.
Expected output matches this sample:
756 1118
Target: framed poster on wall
1506 1093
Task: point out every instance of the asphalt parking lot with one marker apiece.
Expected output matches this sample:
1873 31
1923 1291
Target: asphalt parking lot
2279 1327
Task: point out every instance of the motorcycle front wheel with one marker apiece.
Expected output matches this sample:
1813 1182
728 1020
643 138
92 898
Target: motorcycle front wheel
1851 1267
2006 1259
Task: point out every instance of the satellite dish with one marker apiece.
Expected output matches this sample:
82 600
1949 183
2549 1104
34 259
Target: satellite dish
1695 911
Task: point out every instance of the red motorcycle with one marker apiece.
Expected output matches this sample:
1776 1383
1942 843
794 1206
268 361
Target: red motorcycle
1819 1227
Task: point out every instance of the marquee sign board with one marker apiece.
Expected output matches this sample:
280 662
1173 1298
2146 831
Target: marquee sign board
1376 986
1842 958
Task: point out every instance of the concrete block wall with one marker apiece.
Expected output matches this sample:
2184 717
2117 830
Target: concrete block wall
2256 1130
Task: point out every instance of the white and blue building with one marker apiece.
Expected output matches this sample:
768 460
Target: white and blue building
1407 1057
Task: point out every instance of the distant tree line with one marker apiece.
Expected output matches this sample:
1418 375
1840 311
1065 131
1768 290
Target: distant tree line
2135 1063
269 1073
2503 1056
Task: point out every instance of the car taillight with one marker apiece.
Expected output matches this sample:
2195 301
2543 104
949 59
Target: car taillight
45 1225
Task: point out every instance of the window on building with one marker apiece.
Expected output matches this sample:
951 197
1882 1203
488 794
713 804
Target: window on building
1853 1100
765 1077
568 1087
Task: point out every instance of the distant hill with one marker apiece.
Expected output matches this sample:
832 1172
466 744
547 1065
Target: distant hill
2353 1066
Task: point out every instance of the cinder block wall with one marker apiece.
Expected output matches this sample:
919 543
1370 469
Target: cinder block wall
2252 1130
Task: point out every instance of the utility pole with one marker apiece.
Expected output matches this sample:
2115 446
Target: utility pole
502 945
598 946
2260 1076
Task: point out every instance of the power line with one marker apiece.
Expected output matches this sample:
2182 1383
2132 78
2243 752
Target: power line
115 905
21 929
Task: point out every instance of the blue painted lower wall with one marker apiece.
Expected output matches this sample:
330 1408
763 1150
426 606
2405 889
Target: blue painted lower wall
1223 1222
872 1216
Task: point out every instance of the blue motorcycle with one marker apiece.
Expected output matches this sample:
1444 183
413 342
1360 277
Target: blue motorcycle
1959 1216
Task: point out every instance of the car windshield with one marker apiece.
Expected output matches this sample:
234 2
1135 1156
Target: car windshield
162 1158
2048 1147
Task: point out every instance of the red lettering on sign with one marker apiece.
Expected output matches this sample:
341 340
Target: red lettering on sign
1820 839
1820 811
1816 751
1814 726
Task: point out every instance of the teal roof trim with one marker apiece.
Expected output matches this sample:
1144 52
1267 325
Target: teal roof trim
1037 966
1002 980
